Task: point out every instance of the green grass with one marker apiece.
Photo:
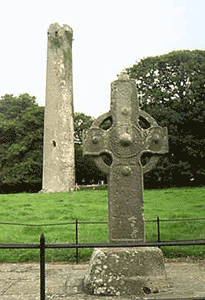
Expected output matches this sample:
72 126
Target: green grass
92 206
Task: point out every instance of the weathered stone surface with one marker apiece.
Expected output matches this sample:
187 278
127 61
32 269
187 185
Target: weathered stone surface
119 134
126 271
58 158
124 140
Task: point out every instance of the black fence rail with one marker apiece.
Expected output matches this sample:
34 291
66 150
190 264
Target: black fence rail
77 223
42 246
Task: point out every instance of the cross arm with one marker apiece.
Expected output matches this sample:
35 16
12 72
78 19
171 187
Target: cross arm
156 140
96 143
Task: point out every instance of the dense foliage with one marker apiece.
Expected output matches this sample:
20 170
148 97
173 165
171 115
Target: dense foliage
21 143
172 89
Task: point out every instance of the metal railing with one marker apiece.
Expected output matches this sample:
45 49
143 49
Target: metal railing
77 223
42 246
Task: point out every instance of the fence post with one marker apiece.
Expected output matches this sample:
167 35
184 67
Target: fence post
76 241
158 230
42 267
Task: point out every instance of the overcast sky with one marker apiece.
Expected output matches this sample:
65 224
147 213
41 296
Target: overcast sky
109 36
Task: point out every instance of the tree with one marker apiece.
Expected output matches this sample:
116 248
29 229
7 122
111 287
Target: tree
81 122
21 143
11 107
172 89
177 77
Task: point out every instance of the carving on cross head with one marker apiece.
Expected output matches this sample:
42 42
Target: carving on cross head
123 138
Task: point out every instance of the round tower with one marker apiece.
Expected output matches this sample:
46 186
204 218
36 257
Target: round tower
58 153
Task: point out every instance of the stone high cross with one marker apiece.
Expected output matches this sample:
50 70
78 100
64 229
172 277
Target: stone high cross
124 139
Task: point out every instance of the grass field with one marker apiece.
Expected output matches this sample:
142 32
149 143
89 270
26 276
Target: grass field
92 206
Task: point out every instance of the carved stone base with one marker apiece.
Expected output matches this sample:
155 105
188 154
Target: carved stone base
126 271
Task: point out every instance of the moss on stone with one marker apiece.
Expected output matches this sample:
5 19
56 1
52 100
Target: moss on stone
69 37
57 41
68 55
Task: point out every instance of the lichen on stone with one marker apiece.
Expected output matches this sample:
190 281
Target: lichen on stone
57 41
